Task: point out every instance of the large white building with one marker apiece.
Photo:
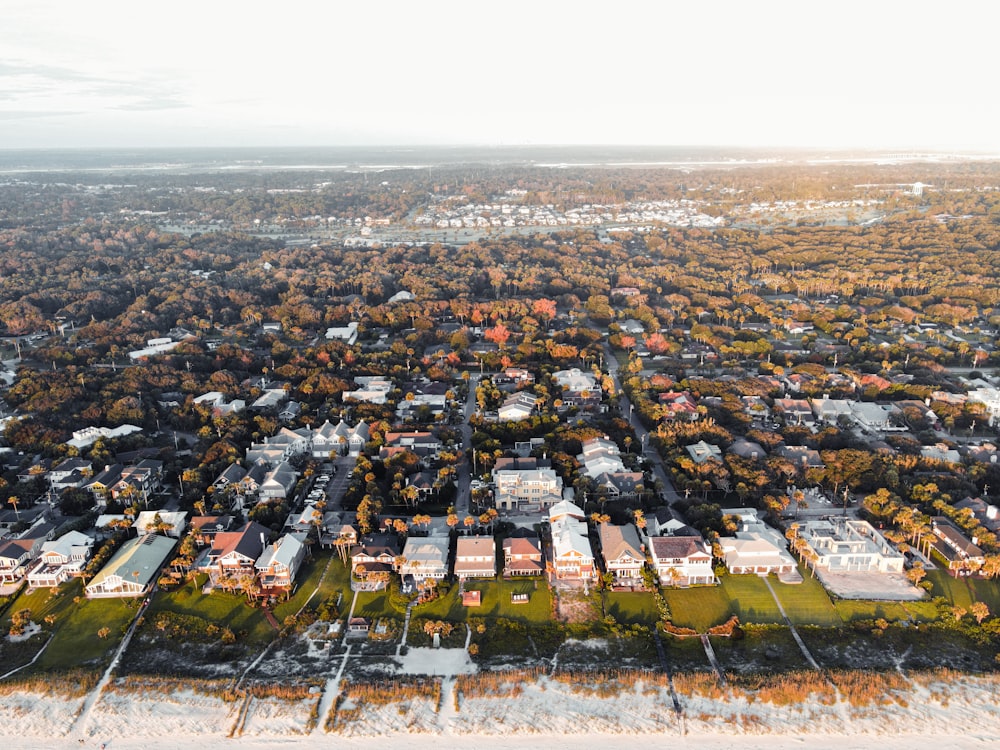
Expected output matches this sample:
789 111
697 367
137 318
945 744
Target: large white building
527 489
846 545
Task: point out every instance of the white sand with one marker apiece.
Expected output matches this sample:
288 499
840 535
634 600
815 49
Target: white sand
546 715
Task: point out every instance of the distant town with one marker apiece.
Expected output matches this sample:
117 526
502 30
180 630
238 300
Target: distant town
287 425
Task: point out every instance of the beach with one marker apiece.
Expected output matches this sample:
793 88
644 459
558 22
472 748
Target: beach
958 711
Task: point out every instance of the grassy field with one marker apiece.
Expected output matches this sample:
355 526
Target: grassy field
700 607
219 607
851 610
337 580
496 602
76 642
77 620
631 607
807 603
750 599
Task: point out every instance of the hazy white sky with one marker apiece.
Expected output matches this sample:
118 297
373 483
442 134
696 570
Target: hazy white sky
878 73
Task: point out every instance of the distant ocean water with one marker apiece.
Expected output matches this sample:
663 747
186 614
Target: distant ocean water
380 158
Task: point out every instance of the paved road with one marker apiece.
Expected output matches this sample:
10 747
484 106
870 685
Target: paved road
659 471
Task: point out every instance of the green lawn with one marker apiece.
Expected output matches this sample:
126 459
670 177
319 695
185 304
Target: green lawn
700 607
219 607
337 579
75 628
958 591
76 642
750 599
632 607
496 602
807 603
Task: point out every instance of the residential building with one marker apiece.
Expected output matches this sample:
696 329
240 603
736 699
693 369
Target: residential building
963 557
373 556
624 555
278 564
701 452
171 523
517 406
842 545
756 547
475 557
16 556
576 381
372 390
60 559
279 484
133 569
794 411
231 555
425 558
526 490
679 405
572 555
681 560
522 556
600 456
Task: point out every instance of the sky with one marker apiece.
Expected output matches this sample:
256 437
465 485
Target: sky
823 73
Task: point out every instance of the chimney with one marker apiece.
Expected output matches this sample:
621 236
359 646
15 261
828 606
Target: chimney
263 541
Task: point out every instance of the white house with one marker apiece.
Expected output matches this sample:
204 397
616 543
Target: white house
526 489
575 380
475 557
61 559
845 545
681 560
348 334
517 406
425 558
133 569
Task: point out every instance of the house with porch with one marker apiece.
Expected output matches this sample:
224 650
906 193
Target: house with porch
623 554
522 556
526 489
681 560
16 555
278 564
962 556
475 557
373 558
425 558
572 555
231 555
756 547
60 559
133 569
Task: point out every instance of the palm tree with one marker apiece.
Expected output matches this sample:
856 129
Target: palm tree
14 500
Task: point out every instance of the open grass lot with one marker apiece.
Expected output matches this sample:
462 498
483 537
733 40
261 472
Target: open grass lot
961 592
958 591
496 602
765 648
631 607
76 642
42 602
374 604
807 603
750 599
219 607
852 610
337 580
700 607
